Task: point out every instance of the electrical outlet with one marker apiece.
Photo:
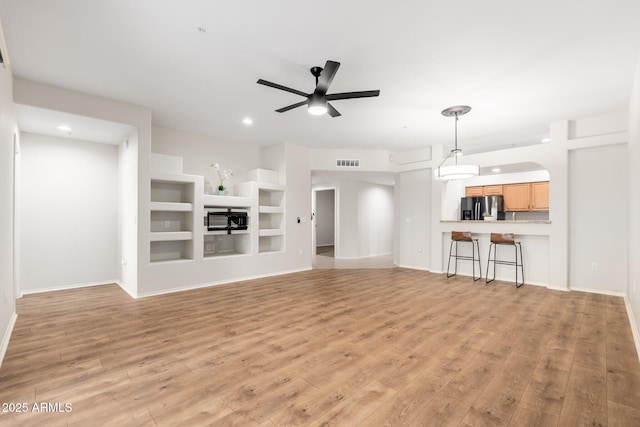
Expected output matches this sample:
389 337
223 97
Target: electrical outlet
594 266
420 249
167 224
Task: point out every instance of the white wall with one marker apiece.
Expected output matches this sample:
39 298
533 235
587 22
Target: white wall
68 213
633 287
413 219
8 131
598 180
127 218
364 220
325 217
375 219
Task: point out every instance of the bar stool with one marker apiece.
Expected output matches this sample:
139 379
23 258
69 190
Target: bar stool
464 236
505 239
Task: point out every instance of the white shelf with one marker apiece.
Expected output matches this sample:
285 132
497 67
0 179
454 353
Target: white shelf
173 178
213 200
168 236
271 232
171 206
269 186
271 209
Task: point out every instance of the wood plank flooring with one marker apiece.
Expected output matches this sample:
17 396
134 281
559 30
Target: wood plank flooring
325 347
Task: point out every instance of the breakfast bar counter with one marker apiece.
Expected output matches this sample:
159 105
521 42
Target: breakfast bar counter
534 235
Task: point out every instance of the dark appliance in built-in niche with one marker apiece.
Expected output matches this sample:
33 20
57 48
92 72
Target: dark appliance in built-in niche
474 208
226 219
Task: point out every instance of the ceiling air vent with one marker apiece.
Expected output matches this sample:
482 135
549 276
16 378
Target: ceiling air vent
348 163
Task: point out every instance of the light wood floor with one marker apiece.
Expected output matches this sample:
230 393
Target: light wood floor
342 347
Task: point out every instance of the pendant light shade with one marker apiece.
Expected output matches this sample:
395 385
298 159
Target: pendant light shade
455 171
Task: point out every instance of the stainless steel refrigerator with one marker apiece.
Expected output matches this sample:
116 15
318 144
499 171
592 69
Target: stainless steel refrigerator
475 208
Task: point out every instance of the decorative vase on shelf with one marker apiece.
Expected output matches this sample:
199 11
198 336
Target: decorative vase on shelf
220 191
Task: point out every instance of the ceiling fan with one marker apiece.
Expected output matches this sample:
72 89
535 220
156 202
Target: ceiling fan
318 100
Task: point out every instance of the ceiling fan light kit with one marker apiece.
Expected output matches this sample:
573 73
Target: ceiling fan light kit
455 171
317 105
317 101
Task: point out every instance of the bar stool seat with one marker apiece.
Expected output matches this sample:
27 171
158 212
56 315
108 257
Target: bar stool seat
509 240
464 236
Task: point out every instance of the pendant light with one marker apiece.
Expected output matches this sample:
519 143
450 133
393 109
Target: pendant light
455 171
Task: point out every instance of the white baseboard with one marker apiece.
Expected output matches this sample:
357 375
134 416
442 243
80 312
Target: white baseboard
66 287
363 257
599 291
4 345
222 282
634 326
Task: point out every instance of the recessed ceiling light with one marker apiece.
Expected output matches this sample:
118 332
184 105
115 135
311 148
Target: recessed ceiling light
247 121
545 140
495 170
64 128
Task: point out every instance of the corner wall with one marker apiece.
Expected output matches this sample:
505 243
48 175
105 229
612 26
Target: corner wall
8 131
633 287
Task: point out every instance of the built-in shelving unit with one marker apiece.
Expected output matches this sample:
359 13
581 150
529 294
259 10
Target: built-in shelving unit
172 217
178 219
271 198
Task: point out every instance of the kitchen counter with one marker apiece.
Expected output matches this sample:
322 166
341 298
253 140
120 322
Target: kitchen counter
534 235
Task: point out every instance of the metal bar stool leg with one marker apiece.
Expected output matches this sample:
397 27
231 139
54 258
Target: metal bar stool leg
476 247
491 246
517 245
449 263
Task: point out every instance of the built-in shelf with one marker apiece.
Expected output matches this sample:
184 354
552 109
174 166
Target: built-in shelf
271 202
172 214
264 232
159 236
271 209
171 206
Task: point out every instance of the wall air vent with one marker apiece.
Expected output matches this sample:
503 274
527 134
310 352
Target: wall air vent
348 163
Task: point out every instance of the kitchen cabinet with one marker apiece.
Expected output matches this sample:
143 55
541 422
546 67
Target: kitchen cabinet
539 196
517 197
492 190
473 191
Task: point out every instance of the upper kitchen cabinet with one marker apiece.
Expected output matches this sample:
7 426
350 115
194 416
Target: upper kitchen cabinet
516 197
492 190
526 196
540 196
473 191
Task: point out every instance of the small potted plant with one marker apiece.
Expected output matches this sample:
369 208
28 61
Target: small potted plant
223 174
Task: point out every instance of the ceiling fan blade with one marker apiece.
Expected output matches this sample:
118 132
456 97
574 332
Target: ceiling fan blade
332 111
292 106
350 95
325 79
277 86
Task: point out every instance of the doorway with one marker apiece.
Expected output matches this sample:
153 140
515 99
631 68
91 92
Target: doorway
324 227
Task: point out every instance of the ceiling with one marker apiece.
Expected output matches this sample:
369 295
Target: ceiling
195 63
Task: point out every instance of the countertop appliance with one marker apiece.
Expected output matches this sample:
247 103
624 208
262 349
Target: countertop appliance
474 208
